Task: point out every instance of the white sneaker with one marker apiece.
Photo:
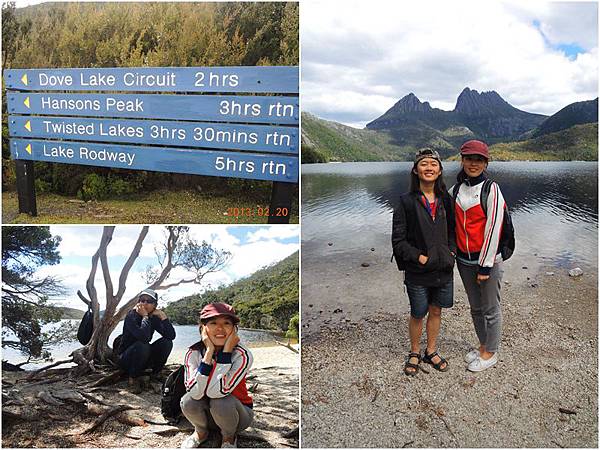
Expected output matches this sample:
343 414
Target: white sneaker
481 364
229 444
192 441
471 356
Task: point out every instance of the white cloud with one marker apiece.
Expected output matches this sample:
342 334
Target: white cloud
80 242
359 58
249 258
268 233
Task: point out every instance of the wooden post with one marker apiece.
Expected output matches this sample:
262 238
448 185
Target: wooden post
281 202
26 187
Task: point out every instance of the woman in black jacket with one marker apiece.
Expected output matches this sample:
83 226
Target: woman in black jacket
424 246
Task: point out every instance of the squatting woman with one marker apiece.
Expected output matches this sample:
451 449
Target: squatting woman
424 247
215 378
479 209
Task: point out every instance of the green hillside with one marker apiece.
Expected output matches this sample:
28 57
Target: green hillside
325 141
578 143
70 313
267 299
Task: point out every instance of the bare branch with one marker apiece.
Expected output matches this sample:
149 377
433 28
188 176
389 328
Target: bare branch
83 299
123 310
105 241
91 289
167 286
127 267
168 265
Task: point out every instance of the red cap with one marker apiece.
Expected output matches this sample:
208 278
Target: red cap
218 309
475 148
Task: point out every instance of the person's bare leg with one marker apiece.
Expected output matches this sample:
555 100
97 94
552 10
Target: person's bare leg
434 320
415 329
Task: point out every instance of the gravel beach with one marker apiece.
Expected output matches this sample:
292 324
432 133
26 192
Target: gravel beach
542 393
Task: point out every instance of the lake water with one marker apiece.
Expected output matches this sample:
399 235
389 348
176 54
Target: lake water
554 206
347 217
186 335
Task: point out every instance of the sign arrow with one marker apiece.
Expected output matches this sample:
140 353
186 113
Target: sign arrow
28 148
24 79
28 125
26 102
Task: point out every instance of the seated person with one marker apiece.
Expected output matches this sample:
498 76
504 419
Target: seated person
136 352
215 378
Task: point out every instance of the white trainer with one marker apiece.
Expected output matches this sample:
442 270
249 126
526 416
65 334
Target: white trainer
229 444
192 441
472 356
481 364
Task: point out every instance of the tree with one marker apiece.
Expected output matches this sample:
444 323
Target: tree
179 250
10 30
25 296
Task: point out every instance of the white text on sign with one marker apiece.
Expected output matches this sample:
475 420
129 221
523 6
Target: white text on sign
223 163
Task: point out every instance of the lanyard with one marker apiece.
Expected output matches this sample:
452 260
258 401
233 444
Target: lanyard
431 207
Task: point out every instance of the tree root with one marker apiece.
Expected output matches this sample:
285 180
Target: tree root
105 416
111 377
288 346
43 369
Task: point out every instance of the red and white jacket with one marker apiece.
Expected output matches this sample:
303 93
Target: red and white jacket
478 235
226 375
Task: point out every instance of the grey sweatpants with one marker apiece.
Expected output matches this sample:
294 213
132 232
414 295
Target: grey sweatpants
227 413
484 299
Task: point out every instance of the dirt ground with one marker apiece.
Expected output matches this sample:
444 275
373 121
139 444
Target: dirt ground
41 424
542 393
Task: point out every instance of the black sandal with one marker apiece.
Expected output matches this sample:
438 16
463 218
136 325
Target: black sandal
437 366
409 365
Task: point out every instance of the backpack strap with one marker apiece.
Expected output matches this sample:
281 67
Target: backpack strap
485 193
455 189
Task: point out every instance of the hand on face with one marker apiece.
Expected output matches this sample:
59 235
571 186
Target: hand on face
159 313
232 340
208 343
140 308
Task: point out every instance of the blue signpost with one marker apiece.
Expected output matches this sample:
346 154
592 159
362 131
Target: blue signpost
259 138
273 79
190 128
218 108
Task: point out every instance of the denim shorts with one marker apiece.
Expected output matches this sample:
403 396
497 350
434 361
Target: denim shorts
421 297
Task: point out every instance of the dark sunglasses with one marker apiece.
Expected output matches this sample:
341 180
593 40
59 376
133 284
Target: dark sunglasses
146 299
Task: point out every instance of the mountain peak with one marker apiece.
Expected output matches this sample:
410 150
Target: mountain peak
410 103
472 102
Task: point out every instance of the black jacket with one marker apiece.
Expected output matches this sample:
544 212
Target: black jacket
137 329
415 233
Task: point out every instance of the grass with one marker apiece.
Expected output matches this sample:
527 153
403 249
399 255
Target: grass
176 207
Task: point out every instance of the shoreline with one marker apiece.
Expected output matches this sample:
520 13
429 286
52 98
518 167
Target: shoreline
353 371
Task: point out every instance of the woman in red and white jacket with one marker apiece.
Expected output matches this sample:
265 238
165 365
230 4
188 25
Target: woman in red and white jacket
215 378
478 229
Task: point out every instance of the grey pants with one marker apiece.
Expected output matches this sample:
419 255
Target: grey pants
227 413
484 299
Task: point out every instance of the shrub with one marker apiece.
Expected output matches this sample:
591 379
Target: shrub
94 188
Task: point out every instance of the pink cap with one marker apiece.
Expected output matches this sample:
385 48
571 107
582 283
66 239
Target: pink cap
474 147
218 309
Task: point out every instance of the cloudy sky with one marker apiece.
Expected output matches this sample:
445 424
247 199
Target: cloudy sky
252 248
359 57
